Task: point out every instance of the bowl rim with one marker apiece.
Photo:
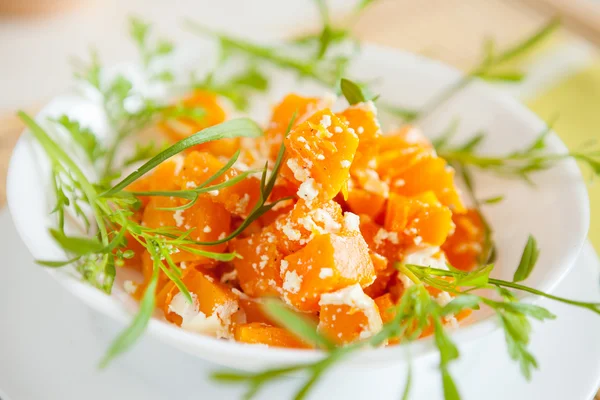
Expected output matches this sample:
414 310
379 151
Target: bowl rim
197 343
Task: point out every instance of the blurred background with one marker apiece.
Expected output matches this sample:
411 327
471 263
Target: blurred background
38 38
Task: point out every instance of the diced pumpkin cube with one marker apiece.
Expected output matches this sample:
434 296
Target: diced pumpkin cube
178 127
429 174
209 221
387 244
258 269
298 226
238 199
421 218
384 277
213 308
361 201
464 246
319 153
362 118
259 333
348 315
327 263
291 105
400 150
386 307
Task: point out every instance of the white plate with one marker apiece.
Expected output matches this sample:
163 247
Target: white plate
50 343
559 201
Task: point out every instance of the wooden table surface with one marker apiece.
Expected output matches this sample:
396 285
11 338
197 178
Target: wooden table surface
448 30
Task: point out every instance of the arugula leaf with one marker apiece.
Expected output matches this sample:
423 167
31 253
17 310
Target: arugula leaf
528 259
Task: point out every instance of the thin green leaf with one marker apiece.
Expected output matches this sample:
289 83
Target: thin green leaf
407 383
295 323
77 245
135 330
493 200
241 127
504 76
477 278
352 92
461 302
57 264
528 259
524 46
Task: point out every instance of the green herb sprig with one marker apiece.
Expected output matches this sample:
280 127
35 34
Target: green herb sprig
96 256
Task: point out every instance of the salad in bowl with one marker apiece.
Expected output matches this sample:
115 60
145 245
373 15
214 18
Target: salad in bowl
318 234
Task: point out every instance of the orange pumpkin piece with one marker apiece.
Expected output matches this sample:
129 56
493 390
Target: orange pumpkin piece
385 243
362 117
464 246
210 113
429 174
400 150
209 221
260 333
386 307
213 308
238 199
327 263
361 201
348 315
291 105
258 269
422 218
319 153
298 226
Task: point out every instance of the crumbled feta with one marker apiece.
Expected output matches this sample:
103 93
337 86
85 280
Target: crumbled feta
190 184
292 282
283 267
360 130
338 129
207 229
217 324
427 257
382 235
308 190
345 163
351 222
301 174
130 286
325 121
178 217
325 273
329 224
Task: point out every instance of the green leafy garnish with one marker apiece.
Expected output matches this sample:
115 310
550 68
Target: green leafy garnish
528 260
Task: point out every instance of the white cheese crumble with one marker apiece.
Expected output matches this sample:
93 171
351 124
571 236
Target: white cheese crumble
345 163
338 129
283 267
130 286
207 229
217 324
229 276
178 217
382 235
425 257
351 222
292 282
308 190
360 130
190 184
354 297
329 224
325 273
325 121
300 174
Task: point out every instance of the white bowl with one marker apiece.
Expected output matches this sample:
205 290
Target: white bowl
555 211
